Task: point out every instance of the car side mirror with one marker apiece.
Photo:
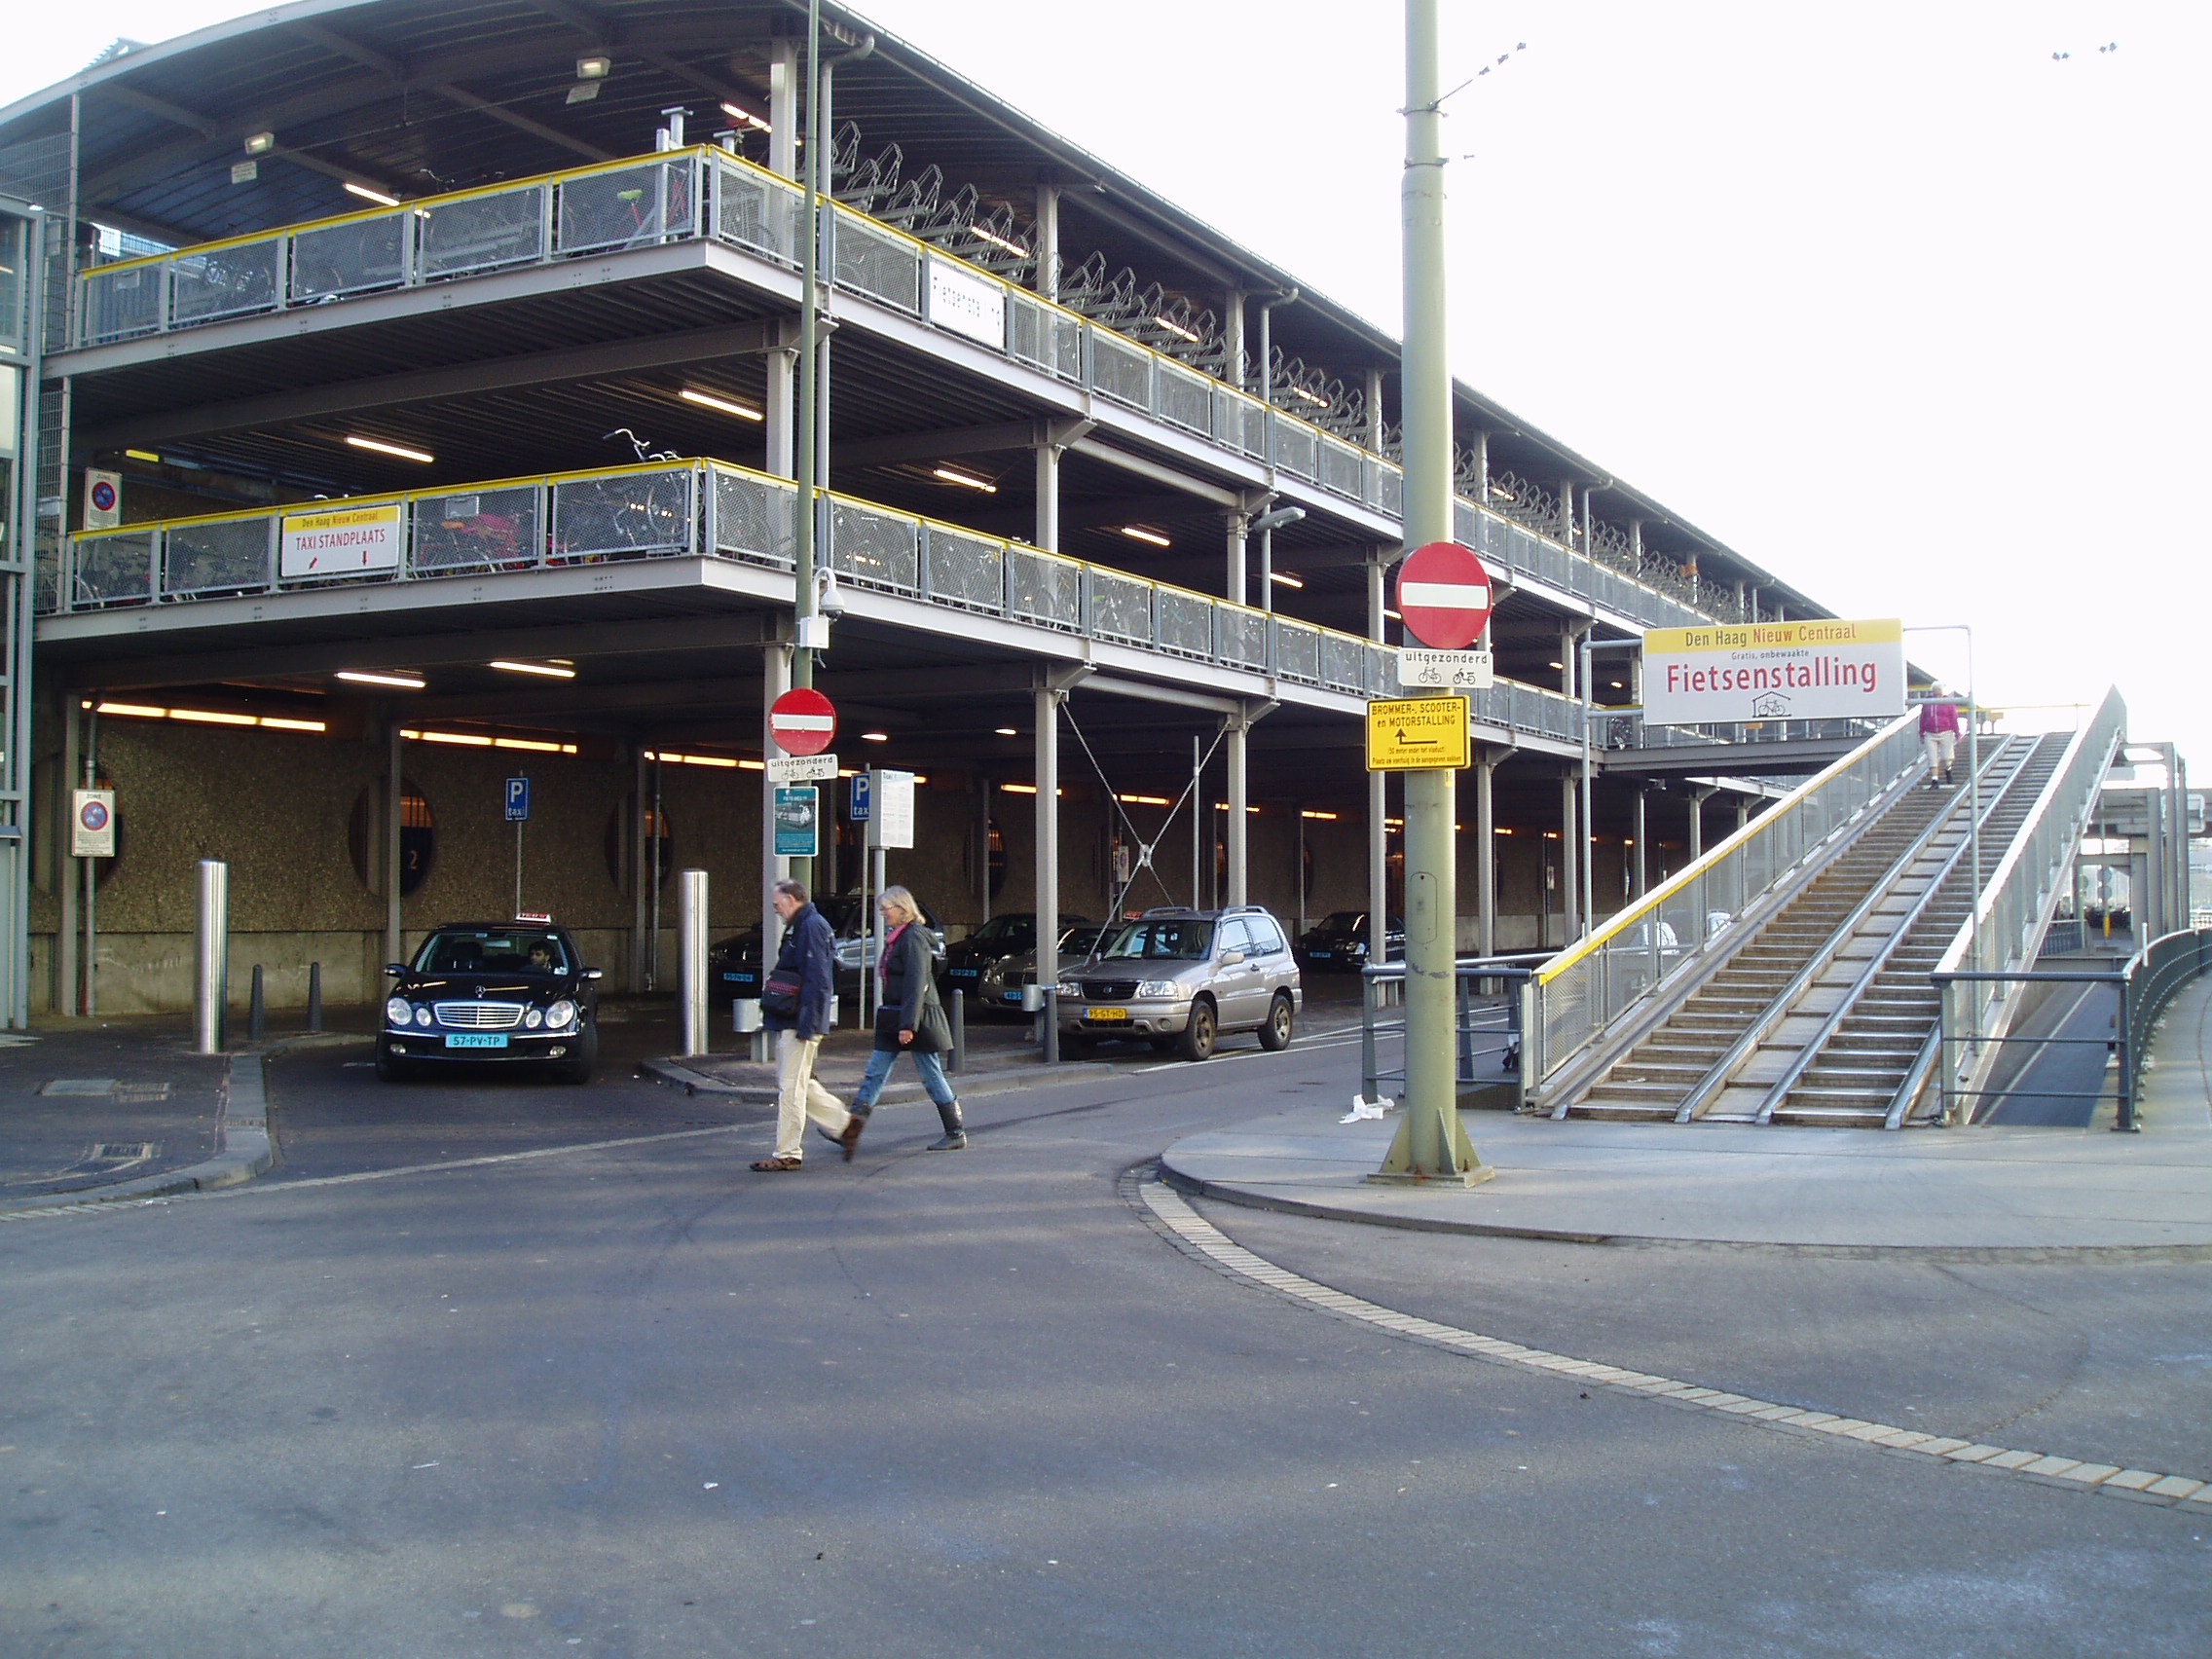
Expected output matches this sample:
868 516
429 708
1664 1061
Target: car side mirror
395 968
1230 958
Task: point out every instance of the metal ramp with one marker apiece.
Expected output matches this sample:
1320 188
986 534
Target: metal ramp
1818 1016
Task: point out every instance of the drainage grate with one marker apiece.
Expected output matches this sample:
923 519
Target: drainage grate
141 1093
80 1086
121 1152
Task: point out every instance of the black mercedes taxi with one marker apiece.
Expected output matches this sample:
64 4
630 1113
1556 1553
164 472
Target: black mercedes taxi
493 992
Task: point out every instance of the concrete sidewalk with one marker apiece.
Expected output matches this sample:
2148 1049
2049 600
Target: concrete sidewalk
2006 1193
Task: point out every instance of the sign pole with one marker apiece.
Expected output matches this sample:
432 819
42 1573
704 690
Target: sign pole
1431 1145
517 866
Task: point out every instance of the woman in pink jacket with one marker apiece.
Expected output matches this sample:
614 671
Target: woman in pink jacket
1939 736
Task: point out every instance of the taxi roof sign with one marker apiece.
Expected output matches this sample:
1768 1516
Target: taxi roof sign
1418 734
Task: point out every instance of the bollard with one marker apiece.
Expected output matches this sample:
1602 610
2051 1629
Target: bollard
691 953
257 1010
211 959
315 996
959 1055
1051 1025
745 1019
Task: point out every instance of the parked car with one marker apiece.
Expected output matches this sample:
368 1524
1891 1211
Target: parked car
1178 979
491 993
1000 985
733 964
1339 941
1012 934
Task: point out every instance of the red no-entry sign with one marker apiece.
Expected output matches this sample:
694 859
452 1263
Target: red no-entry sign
1444 596
803 721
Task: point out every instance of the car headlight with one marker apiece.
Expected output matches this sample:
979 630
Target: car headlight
1068 988
398 1010
562 1013
1161 988
422 1017
532 1020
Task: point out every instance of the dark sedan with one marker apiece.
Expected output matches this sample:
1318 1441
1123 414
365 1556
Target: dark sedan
1339 941
493 992
967 960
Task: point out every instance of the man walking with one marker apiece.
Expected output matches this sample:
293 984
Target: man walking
795 1003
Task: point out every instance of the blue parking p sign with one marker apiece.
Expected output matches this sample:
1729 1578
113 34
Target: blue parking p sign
518 801
864 798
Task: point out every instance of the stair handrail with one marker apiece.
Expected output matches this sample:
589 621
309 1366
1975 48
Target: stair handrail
1802 1062
2002 930
1581 993
1753 1035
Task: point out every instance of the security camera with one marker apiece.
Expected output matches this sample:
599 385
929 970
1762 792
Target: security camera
828 600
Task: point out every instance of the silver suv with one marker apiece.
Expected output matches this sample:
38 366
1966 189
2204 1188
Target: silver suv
1178 979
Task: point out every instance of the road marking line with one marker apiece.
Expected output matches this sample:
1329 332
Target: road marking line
1200 1237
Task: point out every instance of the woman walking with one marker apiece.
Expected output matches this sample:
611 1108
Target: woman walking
909 1021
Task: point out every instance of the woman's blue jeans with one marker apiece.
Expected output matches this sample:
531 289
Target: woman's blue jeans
879 1065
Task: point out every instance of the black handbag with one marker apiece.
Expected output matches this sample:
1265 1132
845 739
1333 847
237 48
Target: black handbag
779 994
933 1032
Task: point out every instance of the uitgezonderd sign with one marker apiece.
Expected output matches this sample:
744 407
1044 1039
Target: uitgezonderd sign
1822 669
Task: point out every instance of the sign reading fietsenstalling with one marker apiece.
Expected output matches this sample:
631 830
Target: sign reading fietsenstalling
1822 669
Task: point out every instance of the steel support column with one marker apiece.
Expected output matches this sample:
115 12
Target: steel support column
1377 789
1234 746
775 681
396 865
1571 861
1047 528
1486 850
1232 581
1047 711
1640 880
1046 235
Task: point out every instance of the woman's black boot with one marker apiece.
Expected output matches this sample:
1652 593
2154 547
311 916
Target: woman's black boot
955 1132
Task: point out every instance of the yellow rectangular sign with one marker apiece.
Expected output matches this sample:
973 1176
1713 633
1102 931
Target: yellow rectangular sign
1412 734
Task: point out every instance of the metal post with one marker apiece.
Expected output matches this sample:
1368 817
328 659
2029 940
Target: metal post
1486 850
1639 822
776 680
876 883
1570 881
1198 817
1697 821
1047 710
654 824
211 959
1048 525
257 1008
517 910
395 791
1046 233
959 1055
1233 583
1238 841
809 311
1268 571
65 964
691 949
315 996
1298 870
91 869
1431 1145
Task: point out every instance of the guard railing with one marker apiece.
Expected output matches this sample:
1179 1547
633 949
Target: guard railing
705 194
1581 994
2003 932
1486 1025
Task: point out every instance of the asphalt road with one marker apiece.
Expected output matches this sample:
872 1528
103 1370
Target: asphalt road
636 1400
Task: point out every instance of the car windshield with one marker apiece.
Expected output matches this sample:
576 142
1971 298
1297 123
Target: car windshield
1344 921
1083 940
487 951
1013 930
1158 938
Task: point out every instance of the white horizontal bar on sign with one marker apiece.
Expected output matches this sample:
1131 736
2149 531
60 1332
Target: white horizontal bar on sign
1444 596
803 722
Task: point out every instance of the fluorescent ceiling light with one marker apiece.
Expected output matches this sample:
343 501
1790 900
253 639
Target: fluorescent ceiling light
747 116
1008 731
1310 398
1324 816
1137 533
1177 328
551 669
383 447
1499 493
951 476
583 91
363 677
594 68
368 195
1392 614
209 716
875 737
143 455
1145 800
144 711
282 725
708 400
260 143
996 241
1285 578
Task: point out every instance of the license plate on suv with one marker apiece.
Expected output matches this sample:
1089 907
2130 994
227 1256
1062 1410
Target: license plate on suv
476 1039
1106 1014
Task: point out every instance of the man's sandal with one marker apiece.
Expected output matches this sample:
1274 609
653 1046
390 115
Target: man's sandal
769 1165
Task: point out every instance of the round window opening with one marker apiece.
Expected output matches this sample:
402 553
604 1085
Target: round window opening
417 838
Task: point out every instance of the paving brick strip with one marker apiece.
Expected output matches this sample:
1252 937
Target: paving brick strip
1201 1239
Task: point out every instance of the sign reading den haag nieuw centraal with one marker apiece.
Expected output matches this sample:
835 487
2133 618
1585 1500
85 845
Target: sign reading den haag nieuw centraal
1822 669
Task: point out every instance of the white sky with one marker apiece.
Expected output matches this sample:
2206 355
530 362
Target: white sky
1878 294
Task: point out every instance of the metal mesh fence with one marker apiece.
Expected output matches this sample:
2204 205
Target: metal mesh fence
1298 650
875 548
230 281
226 556
1240 422
479 530
878 264
758 212
1121 370
1240 636
114 569
1185 623
1343 468
1120 606
119 305
1044 336
636 206
1044 588
354 256
1344 663
756 519
482 233
630 515
1185 399
966 570
1297 449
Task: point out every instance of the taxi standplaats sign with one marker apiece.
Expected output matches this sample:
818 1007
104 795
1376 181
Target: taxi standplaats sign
1821 669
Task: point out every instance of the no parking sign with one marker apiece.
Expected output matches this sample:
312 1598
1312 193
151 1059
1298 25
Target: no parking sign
91 823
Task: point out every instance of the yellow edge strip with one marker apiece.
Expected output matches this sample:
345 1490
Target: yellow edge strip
1682 877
